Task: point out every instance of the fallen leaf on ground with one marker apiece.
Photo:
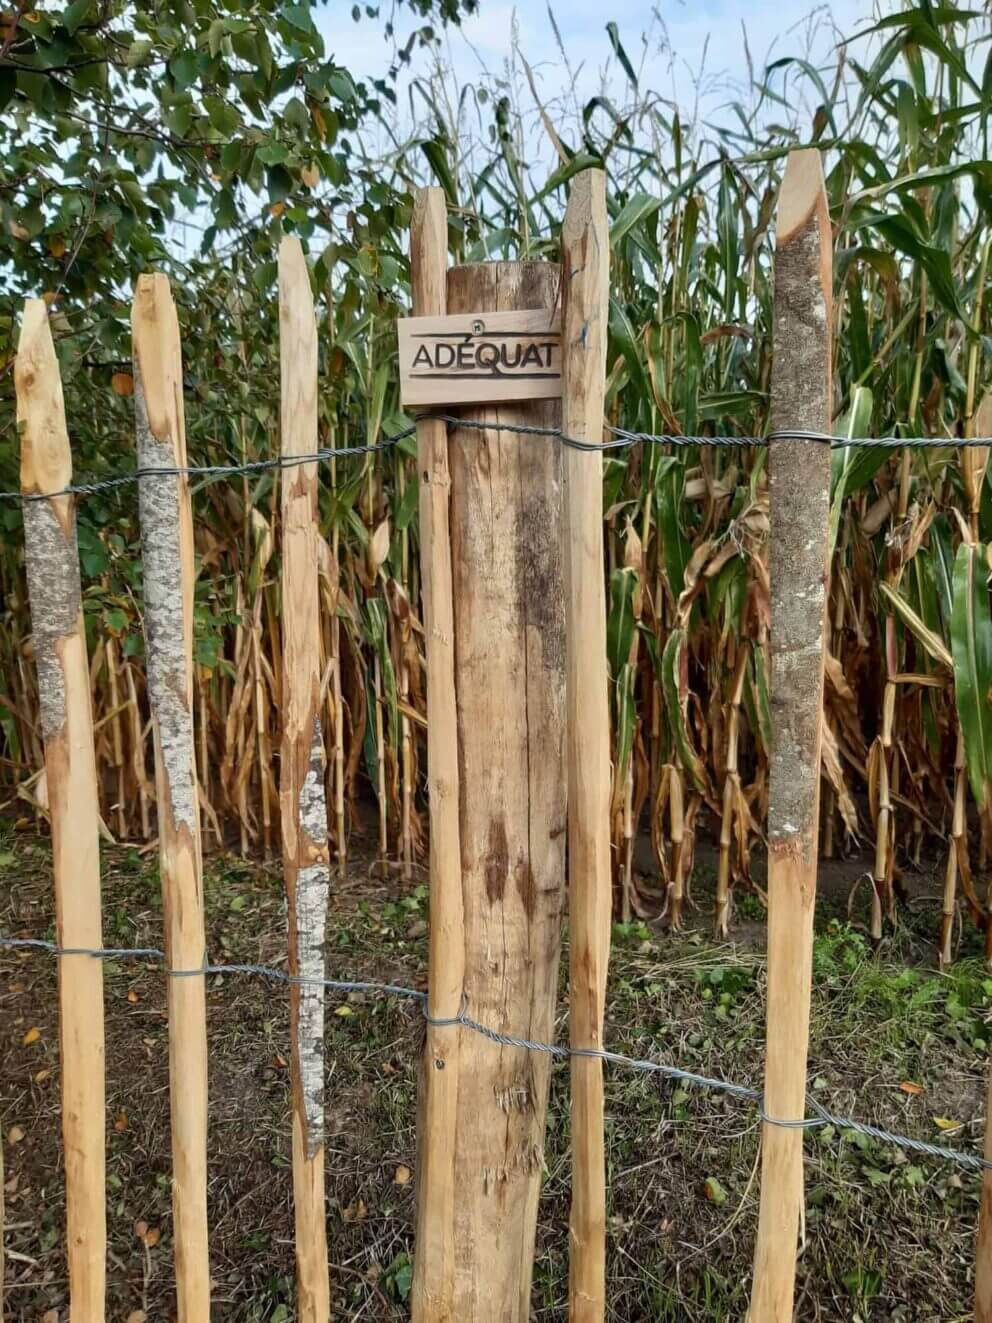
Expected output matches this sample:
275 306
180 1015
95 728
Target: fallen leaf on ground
908 1086
31 1036
714 1191
402 1176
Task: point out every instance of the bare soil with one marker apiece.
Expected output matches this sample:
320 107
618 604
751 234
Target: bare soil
889 1235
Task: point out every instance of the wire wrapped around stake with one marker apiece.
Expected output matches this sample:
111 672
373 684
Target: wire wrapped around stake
820 1117
621 438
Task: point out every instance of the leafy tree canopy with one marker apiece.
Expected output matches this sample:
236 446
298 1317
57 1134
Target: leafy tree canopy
119 118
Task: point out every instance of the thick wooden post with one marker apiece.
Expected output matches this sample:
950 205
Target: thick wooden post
305 854
510 692
167 561
974 472
67 725
983 1248
798 551
585 312
433 1295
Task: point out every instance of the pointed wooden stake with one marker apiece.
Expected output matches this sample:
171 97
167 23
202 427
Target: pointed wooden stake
433 1296
70 764
585 311
798 551
306 865
974 474
167 560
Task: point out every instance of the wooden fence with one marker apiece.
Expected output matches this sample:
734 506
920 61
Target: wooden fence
515 630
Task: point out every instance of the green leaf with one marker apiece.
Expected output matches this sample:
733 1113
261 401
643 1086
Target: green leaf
851 467
675 687
74 15
971 645
635 212
714 1191
620 622
933 643
437 159
138 52
614 35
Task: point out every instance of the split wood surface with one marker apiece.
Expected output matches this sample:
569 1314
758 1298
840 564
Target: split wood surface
585 303
509 672
306 863
433 1294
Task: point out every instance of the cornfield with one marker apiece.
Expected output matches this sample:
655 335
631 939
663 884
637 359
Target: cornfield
908 750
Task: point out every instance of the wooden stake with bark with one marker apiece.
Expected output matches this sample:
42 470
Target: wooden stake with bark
70 765
798 551
585 312
306 863
167 560
433 1295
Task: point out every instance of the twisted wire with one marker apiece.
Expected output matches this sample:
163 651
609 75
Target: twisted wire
820 1115
619 438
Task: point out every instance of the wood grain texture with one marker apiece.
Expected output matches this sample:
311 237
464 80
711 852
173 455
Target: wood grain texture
468 358
585 305
167 560
509 684
67 725
433 1292
305 853
983 1247
798 552
974 475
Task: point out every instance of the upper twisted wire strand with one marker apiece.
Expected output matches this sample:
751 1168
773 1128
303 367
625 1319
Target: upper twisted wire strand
620 438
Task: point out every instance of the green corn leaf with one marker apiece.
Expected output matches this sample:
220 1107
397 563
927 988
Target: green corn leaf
580 161
626 717
675 688
626 340
669 483
620 622
614 35
933 643
437 159
852 466
636 212
971 643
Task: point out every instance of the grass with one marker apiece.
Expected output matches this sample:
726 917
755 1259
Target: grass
889 1235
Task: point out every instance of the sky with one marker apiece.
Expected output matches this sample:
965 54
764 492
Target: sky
690 45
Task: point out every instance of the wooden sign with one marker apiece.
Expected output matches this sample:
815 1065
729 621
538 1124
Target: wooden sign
480 358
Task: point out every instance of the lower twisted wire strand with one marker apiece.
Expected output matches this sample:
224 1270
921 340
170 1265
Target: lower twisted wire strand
821 1116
